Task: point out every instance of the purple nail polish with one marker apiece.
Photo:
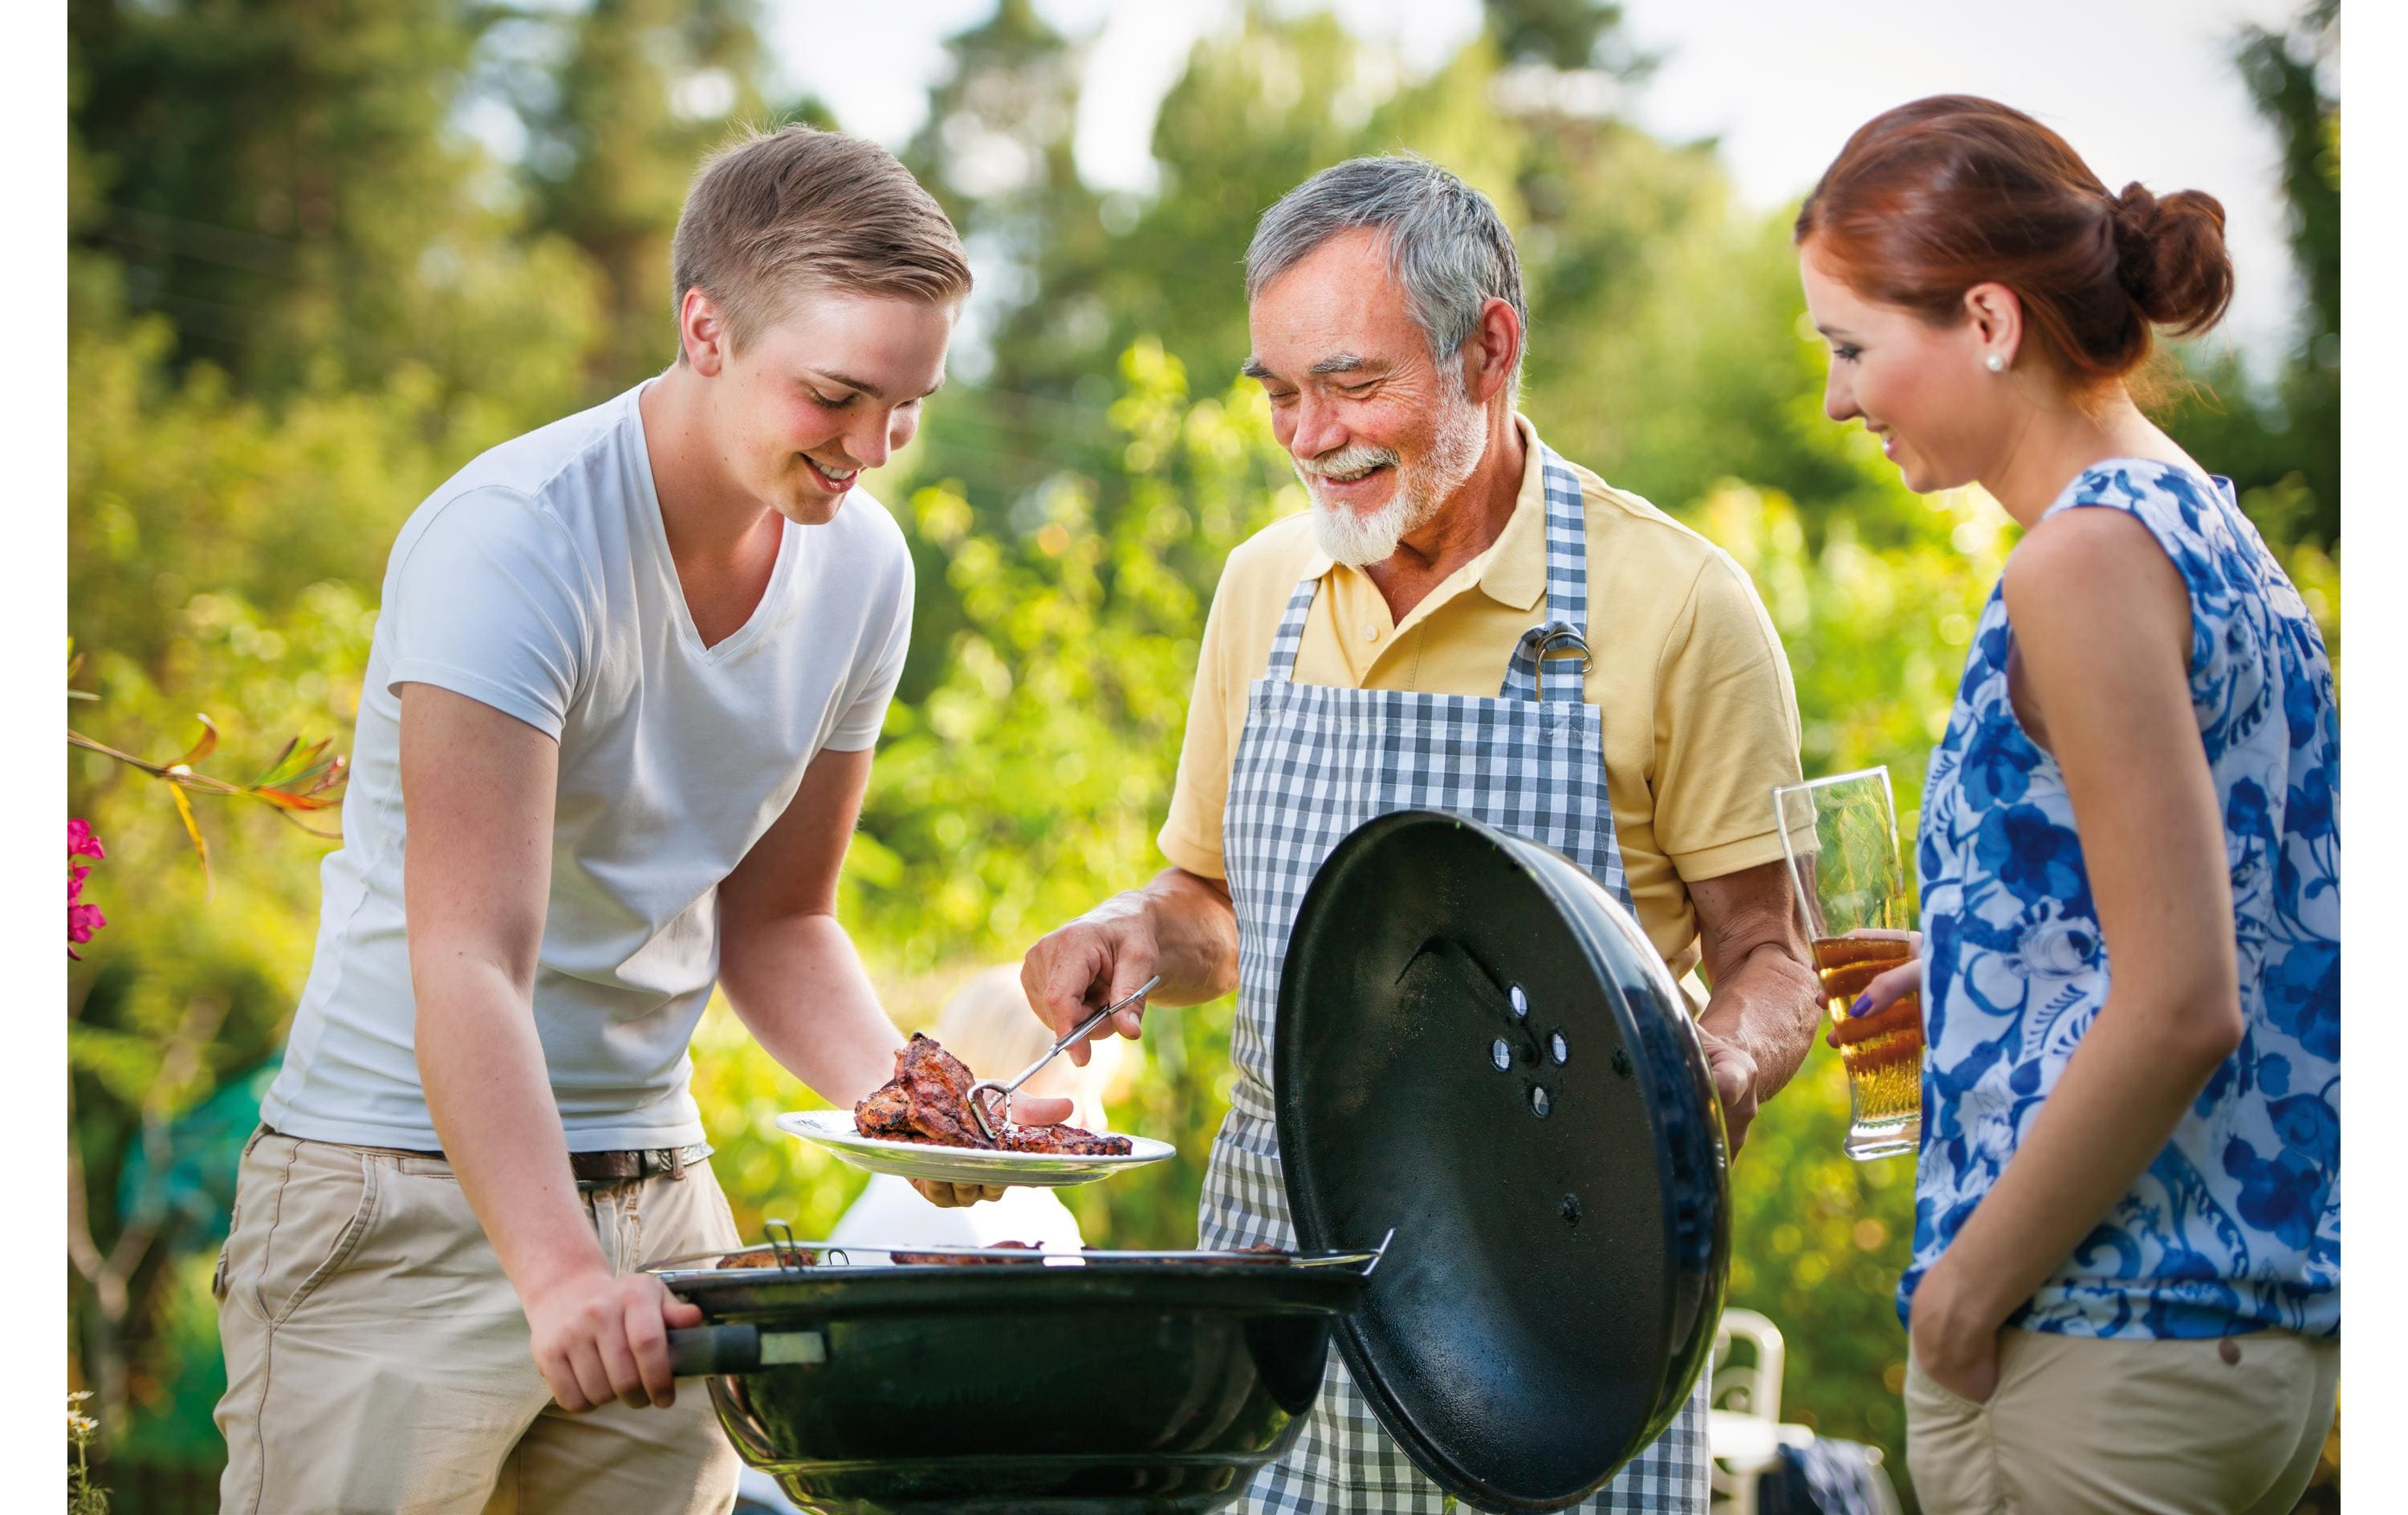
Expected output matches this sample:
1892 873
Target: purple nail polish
1859 1007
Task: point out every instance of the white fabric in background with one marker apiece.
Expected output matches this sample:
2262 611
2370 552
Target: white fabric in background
890 1210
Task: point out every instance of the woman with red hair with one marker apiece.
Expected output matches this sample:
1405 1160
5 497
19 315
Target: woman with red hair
2125 1291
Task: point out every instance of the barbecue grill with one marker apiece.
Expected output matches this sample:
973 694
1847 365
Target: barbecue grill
1505 1164
1100 1382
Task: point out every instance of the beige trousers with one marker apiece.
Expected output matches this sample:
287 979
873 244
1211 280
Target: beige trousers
377 1360
2081 1424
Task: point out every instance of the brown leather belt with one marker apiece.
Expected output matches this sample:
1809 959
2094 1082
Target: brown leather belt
600 1170
595 1171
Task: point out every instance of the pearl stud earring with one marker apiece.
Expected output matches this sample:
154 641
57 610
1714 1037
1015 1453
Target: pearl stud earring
1995 364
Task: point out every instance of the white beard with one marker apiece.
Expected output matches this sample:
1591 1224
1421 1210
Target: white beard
1423 486
1360 540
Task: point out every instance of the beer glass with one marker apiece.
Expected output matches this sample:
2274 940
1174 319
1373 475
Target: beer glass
1840 836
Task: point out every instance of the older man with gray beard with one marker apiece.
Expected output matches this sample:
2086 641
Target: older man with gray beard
1446 551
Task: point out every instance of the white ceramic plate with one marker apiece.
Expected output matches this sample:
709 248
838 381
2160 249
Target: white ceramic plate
832 1130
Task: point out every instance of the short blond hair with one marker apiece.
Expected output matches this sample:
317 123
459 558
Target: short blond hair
774 213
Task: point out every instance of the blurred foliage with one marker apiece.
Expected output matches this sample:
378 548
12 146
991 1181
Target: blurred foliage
298 780
640 90
2280 439
323 255
218 168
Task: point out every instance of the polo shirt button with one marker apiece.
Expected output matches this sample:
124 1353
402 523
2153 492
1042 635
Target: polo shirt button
1371 632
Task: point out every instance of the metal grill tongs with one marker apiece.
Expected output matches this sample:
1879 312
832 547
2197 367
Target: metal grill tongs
987 1089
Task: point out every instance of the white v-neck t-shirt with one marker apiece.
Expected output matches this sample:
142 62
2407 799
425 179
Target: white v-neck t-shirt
538 581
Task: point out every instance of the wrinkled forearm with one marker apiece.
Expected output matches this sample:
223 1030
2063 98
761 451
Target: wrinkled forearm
1770 1007
1194 934
1765 996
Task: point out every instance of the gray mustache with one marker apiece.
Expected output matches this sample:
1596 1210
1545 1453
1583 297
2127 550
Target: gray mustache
1347 461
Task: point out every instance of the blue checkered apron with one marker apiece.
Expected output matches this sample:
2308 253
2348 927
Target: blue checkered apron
1315 762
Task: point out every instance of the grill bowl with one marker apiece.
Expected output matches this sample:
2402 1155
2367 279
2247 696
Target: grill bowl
1126 1384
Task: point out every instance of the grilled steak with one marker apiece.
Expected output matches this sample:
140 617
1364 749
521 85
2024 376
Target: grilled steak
1062 1141
928 1101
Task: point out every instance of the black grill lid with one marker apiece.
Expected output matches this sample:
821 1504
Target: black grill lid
1478 1047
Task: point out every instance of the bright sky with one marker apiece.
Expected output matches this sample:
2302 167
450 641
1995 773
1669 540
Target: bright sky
2142 88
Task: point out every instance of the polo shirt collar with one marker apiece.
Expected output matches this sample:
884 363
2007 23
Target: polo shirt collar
1513 570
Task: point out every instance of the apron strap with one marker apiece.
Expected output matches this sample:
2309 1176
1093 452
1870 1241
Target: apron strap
1290 631
1549 662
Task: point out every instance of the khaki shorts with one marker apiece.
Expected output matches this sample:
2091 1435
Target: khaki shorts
377 1360
2082 1424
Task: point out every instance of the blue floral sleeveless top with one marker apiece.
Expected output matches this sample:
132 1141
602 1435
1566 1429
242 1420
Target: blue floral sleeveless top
2236 1225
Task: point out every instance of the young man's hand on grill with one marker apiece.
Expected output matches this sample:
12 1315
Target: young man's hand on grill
599 1337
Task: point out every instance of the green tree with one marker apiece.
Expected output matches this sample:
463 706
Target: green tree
2282 448
2287 76
642 89
996 151
1570 35
218 150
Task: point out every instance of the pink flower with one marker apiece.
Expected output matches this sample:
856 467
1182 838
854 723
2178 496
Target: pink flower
82 920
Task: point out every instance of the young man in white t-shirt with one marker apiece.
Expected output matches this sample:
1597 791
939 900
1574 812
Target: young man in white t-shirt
613 737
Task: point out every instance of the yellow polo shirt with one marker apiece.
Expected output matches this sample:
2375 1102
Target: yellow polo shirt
1699 717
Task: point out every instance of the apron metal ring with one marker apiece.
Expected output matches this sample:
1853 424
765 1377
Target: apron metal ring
1574 641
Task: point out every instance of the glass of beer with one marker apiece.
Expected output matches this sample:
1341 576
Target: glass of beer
1840 836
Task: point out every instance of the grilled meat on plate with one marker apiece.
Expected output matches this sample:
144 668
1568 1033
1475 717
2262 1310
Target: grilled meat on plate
927 1101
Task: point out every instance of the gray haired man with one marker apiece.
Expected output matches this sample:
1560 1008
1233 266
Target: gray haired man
1445 542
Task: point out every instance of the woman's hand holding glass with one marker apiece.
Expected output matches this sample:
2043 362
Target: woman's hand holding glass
1889 986
1840 837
